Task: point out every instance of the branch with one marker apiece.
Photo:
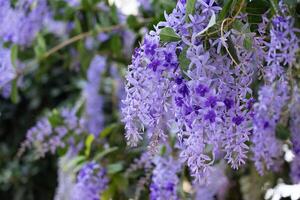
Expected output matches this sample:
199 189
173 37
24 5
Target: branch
80 37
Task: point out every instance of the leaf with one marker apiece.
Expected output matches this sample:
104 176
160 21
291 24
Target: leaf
282 132
109 129
184 62
116 44
14 96
211 23
55 118
14 54
71 164
274 5
237 25
225 10
101 154
132 22
167 34
190 9
247 43
88 143
232 50
114 168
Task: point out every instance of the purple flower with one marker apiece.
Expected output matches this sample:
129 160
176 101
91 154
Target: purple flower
211 101
21 24
237 120
7 71
201 90
266 148
91 182
94 101
295 135
164 180
211 116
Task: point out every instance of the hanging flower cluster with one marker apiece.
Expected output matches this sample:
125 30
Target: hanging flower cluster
91 182
181 78
21 23
59 131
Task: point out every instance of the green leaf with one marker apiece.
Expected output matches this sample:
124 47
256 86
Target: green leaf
109 129
232 50
225 10
41 42
88 143
167 34
116 44
55 119
184 62
101 154
14 92
14 54
190 8
114 168
132 22
71 164
282 132
274 4
247 43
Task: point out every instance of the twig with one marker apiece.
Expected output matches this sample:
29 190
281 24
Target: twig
231 21
222 37
79 37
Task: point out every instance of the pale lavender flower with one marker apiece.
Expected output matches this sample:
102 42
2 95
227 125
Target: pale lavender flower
47 138
21 24
208 103
283 46
7 70
216 185
145 4
73 3
266 148
164 179
91 182
295 134
94 101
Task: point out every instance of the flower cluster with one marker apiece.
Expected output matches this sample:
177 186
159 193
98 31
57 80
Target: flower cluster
20 24
7 71
164 179
207 102
57 131
217 185
295 135
94 101
204 90
91 182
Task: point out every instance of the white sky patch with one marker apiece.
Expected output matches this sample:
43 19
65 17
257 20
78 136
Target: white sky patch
282 191
288 153
128 7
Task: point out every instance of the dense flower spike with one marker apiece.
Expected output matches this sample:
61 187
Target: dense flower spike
209 107
94 101
283 46
266 148
91 182
295 134
7 70
47 136
217 185
21 24
164 179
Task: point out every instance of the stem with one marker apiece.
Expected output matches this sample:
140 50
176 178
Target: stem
222 36
79 37
231 19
